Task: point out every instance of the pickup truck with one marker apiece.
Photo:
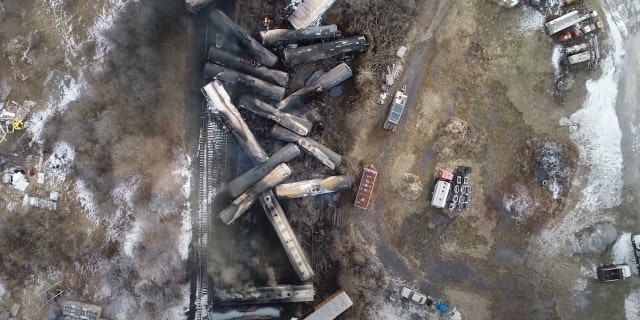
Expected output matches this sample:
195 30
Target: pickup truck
613 272
413 295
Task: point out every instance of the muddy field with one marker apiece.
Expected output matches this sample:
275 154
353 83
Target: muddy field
481 94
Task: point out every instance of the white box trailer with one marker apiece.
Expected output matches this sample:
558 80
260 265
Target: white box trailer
556 25
580 57
440 194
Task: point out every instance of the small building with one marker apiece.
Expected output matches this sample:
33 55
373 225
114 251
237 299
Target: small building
72 310
332 307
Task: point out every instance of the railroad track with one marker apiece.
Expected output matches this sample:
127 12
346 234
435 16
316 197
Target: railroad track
213 166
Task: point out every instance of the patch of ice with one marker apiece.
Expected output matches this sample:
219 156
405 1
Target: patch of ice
132 239
87 200
622 252
556 56
3 290
531 19
596 131
632 305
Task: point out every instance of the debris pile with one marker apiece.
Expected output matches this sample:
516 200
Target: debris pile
391 74
244 73
552 169
575 30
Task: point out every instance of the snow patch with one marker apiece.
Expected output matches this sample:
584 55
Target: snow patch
555 7
70 90
132 239
556 56
519 205
87 200
105 21
62 158
622 252
531 19
632 305
596 131
3 290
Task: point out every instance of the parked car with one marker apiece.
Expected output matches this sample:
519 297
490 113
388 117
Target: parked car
613 272
413 295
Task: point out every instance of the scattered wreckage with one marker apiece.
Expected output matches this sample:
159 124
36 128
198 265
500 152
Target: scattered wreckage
576 30
239 61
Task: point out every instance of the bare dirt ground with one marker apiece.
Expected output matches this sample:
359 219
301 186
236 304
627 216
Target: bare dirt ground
480 94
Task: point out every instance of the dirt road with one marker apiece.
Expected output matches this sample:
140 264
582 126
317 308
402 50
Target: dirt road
480 88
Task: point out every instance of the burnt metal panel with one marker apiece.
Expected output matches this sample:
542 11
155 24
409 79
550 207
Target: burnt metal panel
259 87
279 37
234 62
320 51
308 12
224 25
275 294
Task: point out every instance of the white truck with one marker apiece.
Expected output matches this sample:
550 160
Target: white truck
556 25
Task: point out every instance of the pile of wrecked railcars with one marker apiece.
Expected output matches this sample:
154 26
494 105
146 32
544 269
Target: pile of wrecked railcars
247 74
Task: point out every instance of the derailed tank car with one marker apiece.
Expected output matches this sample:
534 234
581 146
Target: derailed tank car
299 55
279 37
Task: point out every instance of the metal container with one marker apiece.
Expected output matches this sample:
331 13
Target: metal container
234 62
262 88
